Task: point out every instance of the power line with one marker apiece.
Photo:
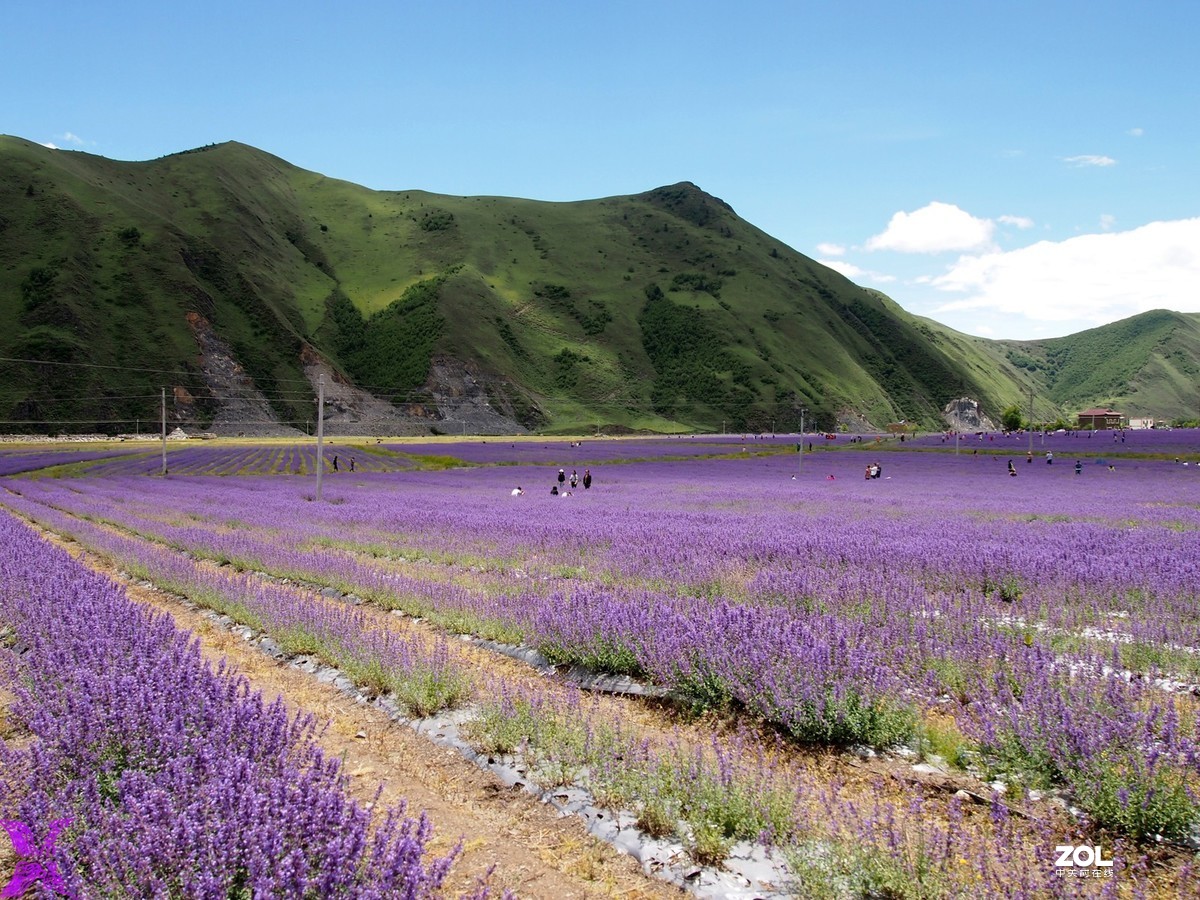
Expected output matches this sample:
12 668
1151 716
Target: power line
75 365
410 393
146 419
68 421
79 399
78 365
281 395
386 394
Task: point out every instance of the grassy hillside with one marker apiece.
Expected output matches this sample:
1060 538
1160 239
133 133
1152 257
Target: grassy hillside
1146 365
99 264
662 310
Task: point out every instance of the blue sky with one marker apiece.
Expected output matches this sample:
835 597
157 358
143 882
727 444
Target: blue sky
1016 169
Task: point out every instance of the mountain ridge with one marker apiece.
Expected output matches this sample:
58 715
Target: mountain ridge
661 310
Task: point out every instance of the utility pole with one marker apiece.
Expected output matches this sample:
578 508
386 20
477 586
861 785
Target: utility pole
320 431
164 431
1031 420
800 468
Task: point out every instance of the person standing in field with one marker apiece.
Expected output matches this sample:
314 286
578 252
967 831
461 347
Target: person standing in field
562 476
587 478
574 479
335 468
1012 470
1049 457
352 464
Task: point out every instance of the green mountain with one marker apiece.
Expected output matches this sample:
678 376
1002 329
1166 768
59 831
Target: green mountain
232 278
1147 365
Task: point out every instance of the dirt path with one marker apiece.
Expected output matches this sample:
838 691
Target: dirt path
535 853
15 736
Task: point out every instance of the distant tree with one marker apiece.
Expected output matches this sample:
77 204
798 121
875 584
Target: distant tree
1010 419
38 286
437 220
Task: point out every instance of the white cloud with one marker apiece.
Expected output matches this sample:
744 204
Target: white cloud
1016 221
842 267
1107 221
1090 160
856 273
831 249
67 137
1136 132
1095 278
935 228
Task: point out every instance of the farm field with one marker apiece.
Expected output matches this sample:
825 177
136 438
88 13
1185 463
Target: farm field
916 685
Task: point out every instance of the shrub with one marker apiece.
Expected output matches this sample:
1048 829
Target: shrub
1142 799
851 719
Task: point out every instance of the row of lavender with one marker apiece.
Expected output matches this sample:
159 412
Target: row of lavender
838 608
1182 442
1127 540
15 461
874 844
300 459
173 779
281 459
1075 551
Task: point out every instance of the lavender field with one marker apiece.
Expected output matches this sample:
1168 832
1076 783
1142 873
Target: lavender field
1036 634
152 774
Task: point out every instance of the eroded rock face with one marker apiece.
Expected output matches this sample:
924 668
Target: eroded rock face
964 415
462 400
349 410
851 421
457 399
241 407
456 402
